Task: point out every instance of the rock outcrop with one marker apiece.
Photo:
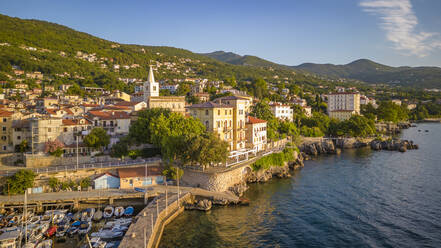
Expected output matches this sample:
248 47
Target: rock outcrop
238 189
318 147
393 145
203 205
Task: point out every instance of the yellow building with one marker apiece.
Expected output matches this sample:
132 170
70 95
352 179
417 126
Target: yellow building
6 131
240 108
217 118
140 176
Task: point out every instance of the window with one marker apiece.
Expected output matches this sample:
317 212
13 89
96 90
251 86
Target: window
154 88
3 137
4 119
65 129
4 129
241 112
75 129
18 137
206 112
218 112
226 112
4 148
230 111
49 130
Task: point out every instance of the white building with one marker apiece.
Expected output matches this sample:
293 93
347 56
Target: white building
342 105
282 111
171 87
364 100
256 133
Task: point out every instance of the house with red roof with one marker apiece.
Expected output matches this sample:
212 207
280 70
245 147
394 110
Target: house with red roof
256 132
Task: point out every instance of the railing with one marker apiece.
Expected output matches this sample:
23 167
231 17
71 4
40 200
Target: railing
98 165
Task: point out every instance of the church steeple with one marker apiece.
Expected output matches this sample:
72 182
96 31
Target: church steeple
151 78
151 88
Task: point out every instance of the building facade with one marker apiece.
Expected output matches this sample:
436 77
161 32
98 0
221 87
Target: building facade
282 111
256 133
342 105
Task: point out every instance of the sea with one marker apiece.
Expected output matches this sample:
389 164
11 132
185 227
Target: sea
360 198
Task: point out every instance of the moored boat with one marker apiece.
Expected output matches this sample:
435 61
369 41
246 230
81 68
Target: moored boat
108 212
119 211
85 227
98 215
88 214
129 211
73 228
45 244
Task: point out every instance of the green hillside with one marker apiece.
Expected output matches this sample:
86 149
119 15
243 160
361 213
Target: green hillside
53 49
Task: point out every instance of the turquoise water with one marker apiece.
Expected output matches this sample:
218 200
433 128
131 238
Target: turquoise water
360 198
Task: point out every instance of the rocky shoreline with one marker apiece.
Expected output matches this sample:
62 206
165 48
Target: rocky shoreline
307 150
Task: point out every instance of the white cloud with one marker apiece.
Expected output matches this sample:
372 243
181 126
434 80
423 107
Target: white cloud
399 22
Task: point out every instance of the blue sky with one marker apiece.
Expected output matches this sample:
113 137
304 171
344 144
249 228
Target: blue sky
392 32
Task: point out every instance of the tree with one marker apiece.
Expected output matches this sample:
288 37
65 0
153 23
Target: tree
288 128
140 131
22 147
97 138
54 148
173 172
121 148
54 183
19 182
262 111
205 149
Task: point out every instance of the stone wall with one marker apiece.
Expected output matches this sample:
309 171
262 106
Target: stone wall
42 161
9 159
218 181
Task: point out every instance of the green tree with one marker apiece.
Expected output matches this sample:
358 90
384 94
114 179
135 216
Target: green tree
140 131
19 182
97 138
205 149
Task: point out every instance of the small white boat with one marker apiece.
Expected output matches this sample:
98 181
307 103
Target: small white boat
88 214
107 234
85 227
96 242
45 244
34 220
108 212
40 231
62 229
119 211
98 215
57 218
47 218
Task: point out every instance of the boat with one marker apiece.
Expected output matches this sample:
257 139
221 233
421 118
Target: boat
98 215
107 234
62 229
77 215
10 239
96 242
85 227
108 212
73 228
39 231
129 211
45 244
119 211
51 231
58 217
30 244
47 218
113 244
88 214
118 222
34 220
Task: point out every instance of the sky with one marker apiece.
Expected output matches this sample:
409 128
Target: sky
291 32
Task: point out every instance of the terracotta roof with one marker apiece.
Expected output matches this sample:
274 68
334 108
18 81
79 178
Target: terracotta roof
139 171
126 103
90 105
111 115
73 122
4 113
254 120
210 105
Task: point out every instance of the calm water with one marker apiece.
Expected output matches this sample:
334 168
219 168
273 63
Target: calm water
360 198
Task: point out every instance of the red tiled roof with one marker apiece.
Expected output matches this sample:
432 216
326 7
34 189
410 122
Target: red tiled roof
110 115
254 120
139 171
73 122
126 103
4 113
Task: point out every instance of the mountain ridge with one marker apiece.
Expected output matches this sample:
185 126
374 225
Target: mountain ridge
361 69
